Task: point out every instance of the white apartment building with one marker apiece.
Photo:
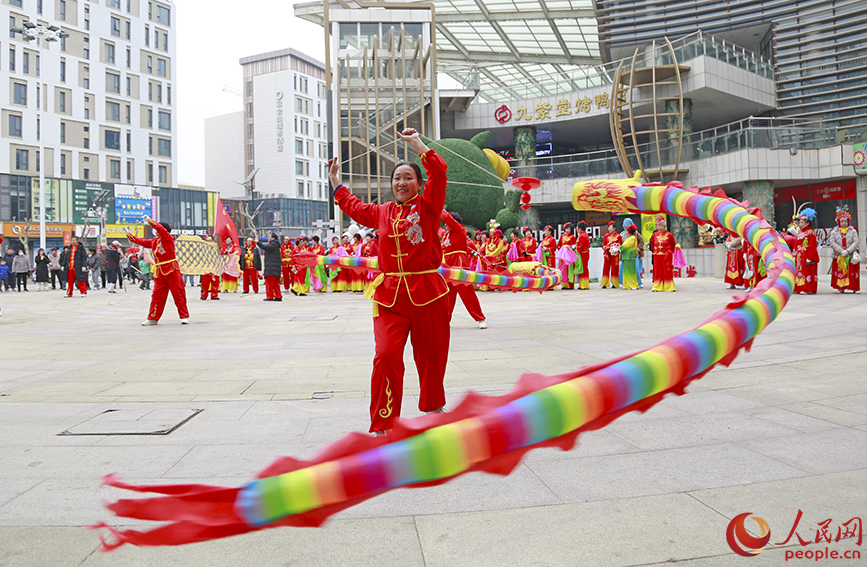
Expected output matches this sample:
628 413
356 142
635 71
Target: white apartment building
102 99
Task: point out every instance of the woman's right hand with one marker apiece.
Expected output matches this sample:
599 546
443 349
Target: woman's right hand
333 166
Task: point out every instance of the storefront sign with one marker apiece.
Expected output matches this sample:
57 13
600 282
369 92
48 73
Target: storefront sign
86 208
554 109
827 191
132 203
118 231
19 229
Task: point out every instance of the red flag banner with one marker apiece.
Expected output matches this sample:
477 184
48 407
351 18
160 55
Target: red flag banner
224 227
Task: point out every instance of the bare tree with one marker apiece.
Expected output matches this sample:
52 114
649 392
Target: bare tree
24 237
244 210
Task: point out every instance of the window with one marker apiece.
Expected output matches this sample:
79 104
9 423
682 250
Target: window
38 165
129 171
150 64
161 67
22 159
165 42
299 168
15 3
128 86
63 10
62 164
164 174
114 4
38 128
165 121
63 71
62 43
85 82
150 146
86 173
164 16
164 147
63 132
112 140
168 94
62 101
15 126
127 30
147 36
37 66
25 63
112 111
128 147
127 114
128 57
150 119
150 169
109 52
86 24
300 189
150 91
115 26
86 113
299 105
309 153
128 6
114 168
20 93
159 93
86 146
85 53
112 82
299 147
11 58
156 39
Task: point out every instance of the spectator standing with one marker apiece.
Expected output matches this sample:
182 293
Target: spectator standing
146 276
41 261
55 269
5 274
112 265
93 268
21 268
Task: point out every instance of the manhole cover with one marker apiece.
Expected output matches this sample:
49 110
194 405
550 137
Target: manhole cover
322 395
134 422
313 317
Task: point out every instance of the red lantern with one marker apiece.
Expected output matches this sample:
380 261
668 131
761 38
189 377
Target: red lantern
525 184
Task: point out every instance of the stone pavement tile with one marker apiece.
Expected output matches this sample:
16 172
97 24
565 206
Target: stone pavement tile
303 362
48 546
821 452
662 410
471 492
89 462
793 420
239 460
305 409
700 401
57 389
633 531
695 430
168 388
230 433
590 444
12 488
45 413
381 541
856 403
773 394
833 415
658 472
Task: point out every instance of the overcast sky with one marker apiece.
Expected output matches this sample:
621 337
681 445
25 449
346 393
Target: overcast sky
212 35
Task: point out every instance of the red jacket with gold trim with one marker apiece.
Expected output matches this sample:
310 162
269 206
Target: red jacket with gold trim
163 245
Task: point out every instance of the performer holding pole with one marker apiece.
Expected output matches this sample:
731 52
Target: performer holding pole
410 298
167 273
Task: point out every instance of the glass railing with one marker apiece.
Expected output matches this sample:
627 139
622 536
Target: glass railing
750 133
685 48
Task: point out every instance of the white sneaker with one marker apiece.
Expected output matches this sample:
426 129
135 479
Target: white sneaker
148 323
483 324
439 410
185 321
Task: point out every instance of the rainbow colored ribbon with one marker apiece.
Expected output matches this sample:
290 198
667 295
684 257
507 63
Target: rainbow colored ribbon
482 433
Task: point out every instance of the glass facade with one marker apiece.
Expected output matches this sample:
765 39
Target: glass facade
290 213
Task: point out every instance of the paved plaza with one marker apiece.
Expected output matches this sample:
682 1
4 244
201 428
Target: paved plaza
783 429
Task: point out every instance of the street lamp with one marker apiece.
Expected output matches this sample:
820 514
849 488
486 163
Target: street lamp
30 31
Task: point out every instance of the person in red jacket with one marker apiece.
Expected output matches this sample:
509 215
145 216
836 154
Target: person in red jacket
662 245
287 250
456 254
251 263
410 297
549 247
167 273
209 282
530 245
568 239
806 254
582 247
611 257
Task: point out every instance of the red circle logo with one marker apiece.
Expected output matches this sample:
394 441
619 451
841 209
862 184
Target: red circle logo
738 538
503 114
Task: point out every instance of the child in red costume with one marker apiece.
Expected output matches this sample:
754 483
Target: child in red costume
410 297
611 257
167 273
456 254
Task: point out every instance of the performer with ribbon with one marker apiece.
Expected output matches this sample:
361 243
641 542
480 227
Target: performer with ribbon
233 267
300 273
319 278
410 298
167 272
456 254
582 247
845 265
639 253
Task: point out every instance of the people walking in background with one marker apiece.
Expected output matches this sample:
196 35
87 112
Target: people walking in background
41 262
21 269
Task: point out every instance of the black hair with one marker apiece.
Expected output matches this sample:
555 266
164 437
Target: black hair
315 238
356 236
515 232
457 216
274 235
414 167
166 226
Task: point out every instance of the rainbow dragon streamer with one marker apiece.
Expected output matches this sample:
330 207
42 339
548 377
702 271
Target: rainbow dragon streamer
483 433
548 279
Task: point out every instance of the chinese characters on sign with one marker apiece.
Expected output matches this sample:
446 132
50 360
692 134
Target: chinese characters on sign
279 121
543 109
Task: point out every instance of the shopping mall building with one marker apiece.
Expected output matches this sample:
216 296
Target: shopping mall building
765 99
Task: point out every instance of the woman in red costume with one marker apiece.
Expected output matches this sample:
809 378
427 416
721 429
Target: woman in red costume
410 298
662 244
549 247
734 260
611 257
370 249
530 245
844 242
455 254
286 264
806 254
167 273
356 279
582 246
568 239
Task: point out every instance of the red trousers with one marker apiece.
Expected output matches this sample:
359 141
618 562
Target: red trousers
210 285
470 299
287 278
272 287
610 269
71 283
251 275
163 284
427 327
